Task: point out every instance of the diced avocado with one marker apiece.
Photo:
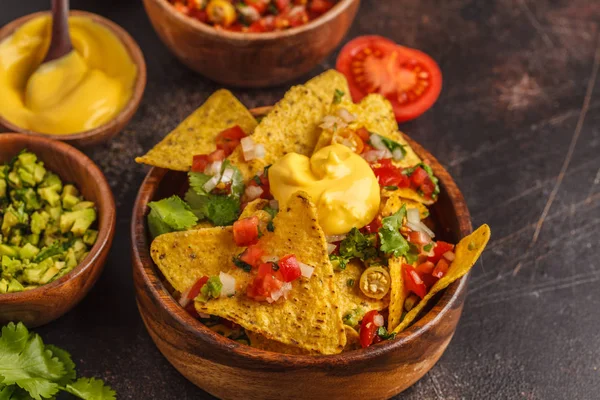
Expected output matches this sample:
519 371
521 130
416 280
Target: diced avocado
69 201
52 181
39 221
29 198
71 259
90 236
28 251
52 272
16 238
10 267
3 286
77 221
55 213
33 238
39 172
27 160
6 250
26 177
34 273
10 219
70 190
82 256
2 188
50 195
83 204
14 286
14 180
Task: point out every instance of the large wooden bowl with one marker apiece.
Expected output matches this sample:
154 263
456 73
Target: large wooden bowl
41 305
104 132
230 370
250 59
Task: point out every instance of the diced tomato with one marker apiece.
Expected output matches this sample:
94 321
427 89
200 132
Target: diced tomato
289 268
440 269
428 187
364 134
438 251
349 139
259 5
413 281
265 283
200 15
418 176
373 226
368 329
419 238
282 5
389 175
298 18
217 155
245 231
320 6
252 255
200 162
265 24
229 139
425 268
193 291
264 185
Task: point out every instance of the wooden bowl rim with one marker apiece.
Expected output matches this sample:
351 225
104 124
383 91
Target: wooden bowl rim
341 7
106 213
138 89
140 243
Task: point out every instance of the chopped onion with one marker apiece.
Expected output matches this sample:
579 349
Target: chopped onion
377 142
414 227
283 291
228 283
335 238
331 121
397 154
253 192
425 228
259 151
267 259
227 175
375 155
330 248
306 270
214 168
249 13
412 215
247 144
378 320
274 204
449 256
348 143
346 115
211 183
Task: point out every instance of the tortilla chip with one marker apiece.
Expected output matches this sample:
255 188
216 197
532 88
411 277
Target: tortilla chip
260 342
467 252
196 134
352 339
351 297
393 201
326 84
397 292
292 125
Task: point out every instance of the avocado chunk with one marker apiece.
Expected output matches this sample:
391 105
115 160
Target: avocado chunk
14 286
2 188
70 190
28 251
69 201
83 204
39 221
50 195
77 221
52 181
10 267
6 250
90 236
3 286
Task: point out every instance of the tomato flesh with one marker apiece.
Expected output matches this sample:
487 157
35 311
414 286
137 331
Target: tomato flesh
320 6
258 5
195 290
440 269
245 231
368 329
373 226
289 268
229 139
389 175
266 282
408 78
438 251
264 185
413 281
349 139
252 255
200 162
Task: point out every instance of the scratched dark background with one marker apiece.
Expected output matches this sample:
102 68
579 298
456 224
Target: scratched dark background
518 127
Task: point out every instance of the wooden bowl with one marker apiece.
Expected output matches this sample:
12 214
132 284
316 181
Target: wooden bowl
250 59
230 370
44 304
104 132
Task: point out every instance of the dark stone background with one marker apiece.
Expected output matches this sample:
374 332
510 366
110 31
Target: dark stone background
518 127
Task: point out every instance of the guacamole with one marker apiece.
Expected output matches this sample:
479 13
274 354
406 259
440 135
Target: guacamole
45 225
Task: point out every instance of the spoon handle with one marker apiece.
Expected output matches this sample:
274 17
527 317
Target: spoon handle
60 42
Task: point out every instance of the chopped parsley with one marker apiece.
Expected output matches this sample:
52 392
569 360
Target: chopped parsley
384 334
337 96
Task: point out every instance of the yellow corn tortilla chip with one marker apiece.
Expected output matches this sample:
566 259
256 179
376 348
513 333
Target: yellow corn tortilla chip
351 297
197 133
260 342
352 339
467 252
408 194
326 84
392 201
397 292
374 113
292 125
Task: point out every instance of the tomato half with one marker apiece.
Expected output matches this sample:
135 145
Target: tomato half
245 231
408 78
368 329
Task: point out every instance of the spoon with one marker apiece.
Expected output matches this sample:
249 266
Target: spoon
60 42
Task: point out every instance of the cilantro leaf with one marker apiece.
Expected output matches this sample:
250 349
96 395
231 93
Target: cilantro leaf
237 180
357 245
391 145
197 182
174 212
384 334
222 210
338 261
238 262
337 96
392 241
65 358
91 389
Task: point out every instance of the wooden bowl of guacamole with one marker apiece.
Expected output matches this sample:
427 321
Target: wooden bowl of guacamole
57 216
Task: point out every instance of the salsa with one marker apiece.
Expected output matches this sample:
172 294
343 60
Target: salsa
254 15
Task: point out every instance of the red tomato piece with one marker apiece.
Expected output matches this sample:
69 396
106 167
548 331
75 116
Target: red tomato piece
428 187
217 155
438 251
389 175
229 139
252 255
373 226
440 269
282 5
413 281
264 185
408 78
425 268
418 177
368 329
320 6
200 162
196 287
265 283
245 231
419 238
200 15
258 5
289 268
364 134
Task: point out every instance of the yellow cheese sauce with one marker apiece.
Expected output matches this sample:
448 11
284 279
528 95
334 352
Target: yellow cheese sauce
340 182
80 91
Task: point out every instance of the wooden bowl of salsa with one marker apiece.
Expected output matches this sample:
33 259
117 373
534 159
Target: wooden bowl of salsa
231 370
250 59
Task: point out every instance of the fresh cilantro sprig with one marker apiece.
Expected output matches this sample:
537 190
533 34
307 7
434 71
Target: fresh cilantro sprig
391 145
355 245
29 369
392 241
170 214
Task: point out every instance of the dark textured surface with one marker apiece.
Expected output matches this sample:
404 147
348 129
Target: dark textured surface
518 127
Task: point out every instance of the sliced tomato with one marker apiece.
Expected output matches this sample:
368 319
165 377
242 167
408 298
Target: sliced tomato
368 329
320 6
413 281
364 134
289 268
408 78
349 139
245 231
438 251
200 162
259 5
389 175
229 139
373 226
252 255
440 269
